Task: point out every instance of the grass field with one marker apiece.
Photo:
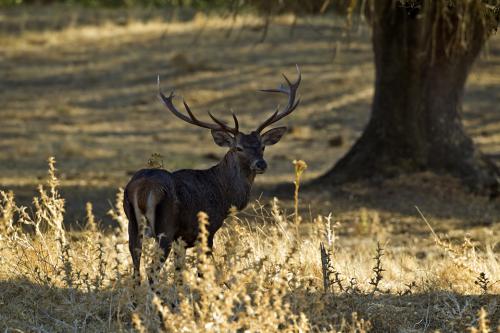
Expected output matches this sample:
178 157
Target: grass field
80 85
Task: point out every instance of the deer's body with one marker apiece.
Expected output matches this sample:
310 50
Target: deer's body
169 202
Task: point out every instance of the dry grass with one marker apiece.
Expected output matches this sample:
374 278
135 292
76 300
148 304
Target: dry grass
265 276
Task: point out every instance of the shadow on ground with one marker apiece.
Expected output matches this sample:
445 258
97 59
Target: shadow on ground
419 312
31 306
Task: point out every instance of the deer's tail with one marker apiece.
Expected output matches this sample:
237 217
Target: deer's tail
144 203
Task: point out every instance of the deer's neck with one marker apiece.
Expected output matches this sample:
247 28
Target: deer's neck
236 180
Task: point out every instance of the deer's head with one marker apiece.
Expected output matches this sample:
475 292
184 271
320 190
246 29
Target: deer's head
248 148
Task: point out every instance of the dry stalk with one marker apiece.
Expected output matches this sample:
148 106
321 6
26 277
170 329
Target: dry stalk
483 323
7 211
377 269
300 167
118 214
91 223
483 282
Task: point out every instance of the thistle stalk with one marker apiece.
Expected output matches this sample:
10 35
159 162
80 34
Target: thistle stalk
300 167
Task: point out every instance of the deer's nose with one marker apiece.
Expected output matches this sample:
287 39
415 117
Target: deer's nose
259 166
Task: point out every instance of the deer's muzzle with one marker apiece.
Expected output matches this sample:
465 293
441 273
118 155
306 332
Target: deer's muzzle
259 166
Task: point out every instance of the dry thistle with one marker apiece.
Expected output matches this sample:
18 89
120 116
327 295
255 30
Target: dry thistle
53 181
137 323
155 161
353 288
179 250
409 288
118 214
483 282
65 258
49 206
325 263
7 210
276 212
356 325
152 254
377 269
118 261
206 272
483 323
101 260
91 224
329 232
202 248
329 270
300 167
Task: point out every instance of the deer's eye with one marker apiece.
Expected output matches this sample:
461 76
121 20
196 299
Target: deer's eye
263 147
238 148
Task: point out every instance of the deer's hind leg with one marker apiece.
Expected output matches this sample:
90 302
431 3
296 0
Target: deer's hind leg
134 237
165 226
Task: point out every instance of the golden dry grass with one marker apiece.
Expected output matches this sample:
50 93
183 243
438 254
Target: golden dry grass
266 275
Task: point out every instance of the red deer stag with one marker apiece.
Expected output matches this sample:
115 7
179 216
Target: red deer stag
170 201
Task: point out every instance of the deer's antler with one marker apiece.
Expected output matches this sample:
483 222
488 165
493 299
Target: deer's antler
218 126
291 91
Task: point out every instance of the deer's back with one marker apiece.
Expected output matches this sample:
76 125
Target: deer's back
190 191
150 184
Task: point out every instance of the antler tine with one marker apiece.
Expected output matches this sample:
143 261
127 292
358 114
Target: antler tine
168 101
268 121
291 91
223 125
236 125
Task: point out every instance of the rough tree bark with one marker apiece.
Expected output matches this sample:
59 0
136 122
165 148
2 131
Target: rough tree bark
416 121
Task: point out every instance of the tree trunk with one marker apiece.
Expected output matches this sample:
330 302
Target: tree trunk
416 121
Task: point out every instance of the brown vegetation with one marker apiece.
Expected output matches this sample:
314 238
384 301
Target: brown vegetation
266 275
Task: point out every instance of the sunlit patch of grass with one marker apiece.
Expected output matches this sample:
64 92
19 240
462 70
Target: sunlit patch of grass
134 27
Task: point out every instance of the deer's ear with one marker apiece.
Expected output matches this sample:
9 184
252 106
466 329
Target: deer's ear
273 136
223 139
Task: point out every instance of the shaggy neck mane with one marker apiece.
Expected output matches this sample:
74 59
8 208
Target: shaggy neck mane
236 179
